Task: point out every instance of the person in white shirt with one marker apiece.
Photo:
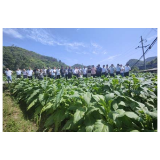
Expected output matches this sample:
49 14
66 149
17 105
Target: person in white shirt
126 70
44 71
24 72
53 73
9 75
84 70
40 77
75 72
121 70
30 73
103 70
111 70
117 69
66 73
107 70
18 72
79 71
58 73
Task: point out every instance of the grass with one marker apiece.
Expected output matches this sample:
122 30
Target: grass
14 118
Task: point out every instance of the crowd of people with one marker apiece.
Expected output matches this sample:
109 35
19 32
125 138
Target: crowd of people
68 72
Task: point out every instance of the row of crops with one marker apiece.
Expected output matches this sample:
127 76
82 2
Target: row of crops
107 104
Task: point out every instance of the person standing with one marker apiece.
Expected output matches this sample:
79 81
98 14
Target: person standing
18 72
53 73
9 75
24 72
99 70
79 72
66 73
35 70
117 69
121 70
104 70
107 70
30 73
41 74
75 72
93 71
84 70
36 73
44 72
58 73
89 71
62 71
69 72
126 70
112 70
48 72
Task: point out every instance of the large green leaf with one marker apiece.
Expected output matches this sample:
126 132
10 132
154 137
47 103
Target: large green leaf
132 115
32 104
42 99
33 95
87 97
59 116
101 126
78 115
68 125
109 96
98 97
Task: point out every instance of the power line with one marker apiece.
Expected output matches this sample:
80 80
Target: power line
146 51
154 29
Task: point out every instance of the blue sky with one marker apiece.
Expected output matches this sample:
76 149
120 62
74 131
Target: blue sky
85 46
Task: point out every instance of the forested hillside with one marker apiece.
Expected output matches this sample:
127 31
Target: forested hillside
16 57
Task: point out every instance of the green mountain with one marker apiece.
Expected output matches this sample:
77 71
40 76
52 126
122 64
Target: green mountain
149 59
131 62
16 57
78 65
153 62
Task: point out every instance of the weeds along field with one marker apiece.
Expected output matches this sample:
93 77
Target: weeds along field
107 104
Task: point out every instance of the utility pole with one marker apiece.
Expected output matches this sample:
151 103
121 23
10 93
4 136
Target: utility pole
143 51
143 54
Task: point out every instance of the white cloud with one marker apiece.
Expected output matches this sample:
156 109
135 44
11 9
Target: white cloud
110 58
12 32
104 52
95 45
113 57
44 37
152 37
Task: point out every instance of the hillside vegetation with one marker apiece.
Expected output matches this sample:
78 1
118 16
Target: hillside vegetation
16 57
